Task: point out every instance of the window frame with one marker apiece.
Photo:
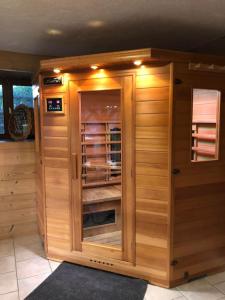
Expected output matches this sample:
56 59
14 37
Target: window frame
218 125
7 92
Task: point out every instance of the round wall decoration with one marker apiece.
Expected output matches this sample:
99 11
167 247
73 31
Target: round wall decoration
20 122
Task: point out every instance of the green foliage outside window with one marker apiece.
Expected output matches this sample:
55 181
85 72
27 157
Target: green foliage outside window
22 95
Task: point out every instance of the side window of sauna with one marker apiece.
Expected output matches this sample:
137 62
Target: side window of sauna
205 125
101 166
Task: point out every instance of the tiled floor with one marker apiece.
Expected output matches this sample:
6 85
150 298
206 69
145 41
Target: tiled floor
23 267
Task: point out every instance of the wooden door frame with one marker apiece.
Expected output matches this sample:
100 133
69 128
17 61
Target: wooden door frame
125 83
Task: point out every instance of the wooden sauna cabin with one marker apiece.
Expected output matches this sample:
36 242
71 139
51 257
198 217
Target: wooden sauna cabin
131 167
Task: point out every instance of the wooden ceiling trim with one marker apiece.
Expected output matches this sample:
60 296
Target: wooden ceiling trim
101 59
126 57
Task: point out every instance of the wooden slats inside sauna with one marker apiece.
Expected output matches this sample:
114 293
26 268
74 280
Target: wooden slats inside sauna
101 153
100 131
205 124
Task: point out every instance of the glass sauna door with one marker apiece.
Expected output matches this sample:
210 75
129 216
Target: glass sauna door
101 167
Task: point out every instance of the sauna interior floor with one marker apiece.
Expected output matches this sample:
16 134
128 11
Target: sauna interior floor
109 238
23 267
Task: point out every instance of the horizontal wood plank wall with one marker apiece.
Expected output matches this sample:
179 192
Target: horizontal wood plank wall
55 158
17 189
152 170
199 188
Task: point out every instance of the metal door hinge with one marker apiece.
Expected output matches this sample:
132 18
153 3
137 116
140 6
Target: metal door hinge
174 263
177 81
175 171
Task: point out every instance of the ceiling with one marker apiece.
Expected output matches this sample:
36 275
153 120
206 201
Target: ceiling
71 27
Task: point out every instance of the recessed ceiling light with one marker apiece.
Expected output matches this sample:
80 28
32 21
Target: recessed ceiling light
95 23
94 67
56 70
137 62
53 31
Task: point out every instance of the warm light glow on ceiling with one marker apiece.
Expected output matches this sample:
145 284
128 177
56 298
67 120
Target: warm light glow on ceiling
94 67
56 70
137 62
53 31
95 23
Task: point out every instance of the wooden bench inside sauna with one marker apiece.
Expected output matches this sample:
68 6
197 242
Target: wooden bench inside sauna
130 163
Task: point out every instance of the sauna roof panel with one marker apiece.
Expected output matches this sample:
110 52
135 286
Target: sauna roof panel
126 58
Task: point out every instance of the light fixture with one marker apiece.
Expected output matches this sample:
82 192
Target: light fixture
53 31
94 67
95 23
56 70
137 62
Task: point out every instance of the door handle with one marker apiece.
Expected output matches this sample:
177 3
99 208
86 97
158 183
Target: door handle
74 166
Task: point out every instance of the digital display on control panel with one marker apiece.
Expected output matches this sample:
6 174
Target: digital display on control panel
53 80
54 105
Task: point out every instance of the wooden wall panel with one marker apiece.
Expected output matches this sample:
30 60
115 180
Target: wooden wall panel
17 189
20 61
56 155
199 188
152 170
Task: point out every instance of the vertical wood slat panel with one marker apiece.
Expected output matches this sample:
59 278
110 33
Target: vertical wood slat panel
152 190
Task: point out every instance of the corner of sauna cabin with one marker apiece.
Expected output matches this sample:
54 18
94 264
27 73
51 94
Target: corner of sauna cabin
153 131
198 134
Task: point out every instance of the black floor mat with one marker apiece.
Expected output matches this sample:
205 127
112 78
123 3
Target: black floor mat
70 281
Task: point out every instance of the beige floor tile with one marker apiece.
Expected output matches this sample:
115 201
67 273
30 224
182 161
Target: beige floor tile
29 251
6 247
7 264
221 286
216 278
10 296
27 285
27 240
54 264
158 293
32 267
200 290
8 283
